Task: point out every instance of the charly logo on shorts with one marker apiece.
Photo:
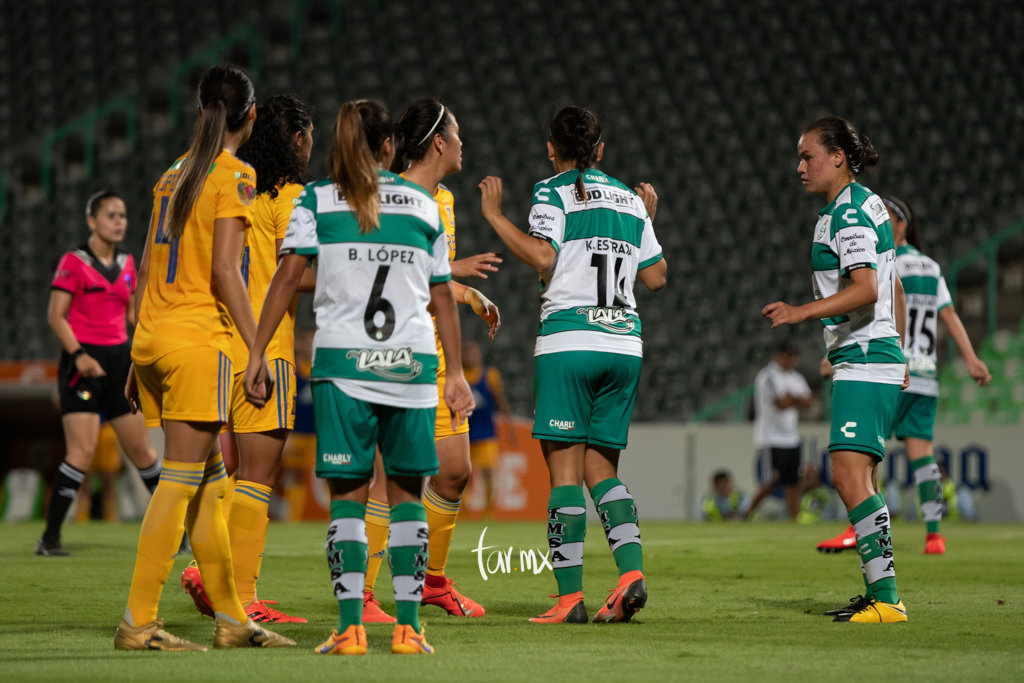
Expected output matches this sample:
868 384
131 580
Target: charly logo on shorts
393 364
614 320
563 425
337 458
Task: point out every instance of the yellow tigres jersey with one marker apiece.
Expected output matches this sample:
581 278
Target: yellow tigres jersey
259 261
446 207
179 308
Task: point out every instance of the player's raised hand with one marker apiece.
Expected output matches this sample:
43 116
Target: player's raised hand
649 198
477 266
490 196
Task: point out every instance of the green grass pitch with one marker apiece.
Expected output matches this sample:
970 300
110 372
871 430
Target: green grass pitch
727 602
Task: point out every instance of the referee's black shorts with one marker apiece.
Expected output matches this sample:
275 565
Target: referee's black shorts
105 395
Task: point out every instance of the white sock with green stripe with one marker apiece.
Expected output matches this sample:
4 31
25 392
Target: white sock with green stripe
928 480
346 558
870 520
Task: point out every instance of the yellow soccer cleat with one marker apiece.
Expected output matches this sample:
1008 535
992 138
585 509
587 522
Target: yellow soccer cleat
876 612
405 641
250 634
151 636
351 642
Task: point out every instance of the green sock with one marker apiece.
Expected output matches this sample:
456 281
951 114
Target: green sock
567 527
617 509
346 557
929 491
870 519
407 557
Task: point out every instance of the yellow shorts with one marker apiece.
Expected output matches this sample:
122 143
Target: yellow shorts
191 385
443 418
279 411
108 455
484 454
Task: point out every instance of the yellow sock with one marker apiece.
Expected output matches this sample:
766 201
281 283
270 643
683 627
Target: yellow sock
208 533
229 496
159 538
247 527
378 523
441 516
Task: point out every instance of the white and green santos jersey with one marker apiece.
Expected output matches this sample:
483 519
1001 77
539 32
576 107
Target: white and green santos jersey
374 337
587 301
927 295
853 232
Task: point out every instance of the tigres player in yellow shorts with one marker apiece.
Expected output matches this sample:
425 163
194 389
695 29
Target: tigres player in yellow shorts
428 149
279 151
192 290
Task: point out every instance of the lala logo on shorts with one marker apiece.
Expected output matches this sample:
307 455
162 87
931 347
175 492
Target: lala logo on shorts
393 364
612 319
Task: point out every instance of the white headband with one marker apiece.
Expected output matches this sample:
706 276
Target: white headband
430 132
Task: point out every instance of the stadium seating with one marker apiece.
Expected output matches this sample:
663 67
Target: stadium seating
705 99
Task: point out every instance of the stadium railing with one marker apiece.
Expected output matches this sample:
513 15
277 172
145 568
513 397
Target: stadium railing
85 125
989 250
210 55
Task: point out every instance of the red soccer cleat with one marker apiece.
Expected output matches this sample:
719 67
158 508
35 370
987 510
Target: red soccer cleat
192 582
934 544
624 600
372 612
261 612
569 610
448 598
844 541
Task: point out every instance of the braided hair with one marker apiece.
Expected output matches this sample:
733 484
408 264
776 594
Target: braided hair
575 135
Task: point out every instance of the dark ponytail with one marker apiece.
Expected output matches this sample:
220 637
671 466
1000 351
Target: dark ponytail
360 129
838 133
415 130
225 95
575 135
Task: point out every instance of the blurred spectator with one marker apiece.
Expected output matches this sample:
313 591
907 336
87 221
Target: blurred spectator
723 501
817 501
779 392
489 394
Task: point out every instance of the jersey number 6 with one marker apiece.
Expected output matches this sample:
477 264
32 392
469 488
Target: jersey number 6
378 305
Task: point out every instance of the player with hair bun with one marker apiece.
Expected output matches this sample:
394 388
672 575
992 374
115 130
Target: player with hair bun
590 239
928 301
859 301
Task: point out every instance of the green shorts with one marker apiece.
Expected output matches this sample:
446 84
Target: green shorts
348 430
915 416
585 397
862 415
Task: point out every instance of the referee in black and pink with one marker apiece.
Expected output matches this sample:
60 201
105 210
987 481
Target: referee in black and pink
90 300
